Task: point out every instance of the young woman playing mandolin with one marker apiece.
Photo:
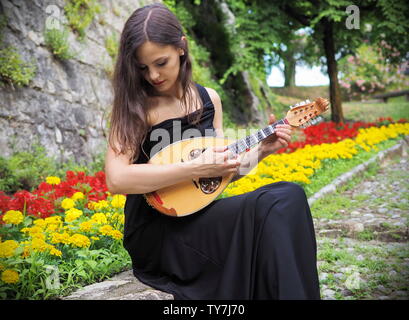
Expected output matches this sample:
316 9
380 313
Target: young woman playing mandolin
258 245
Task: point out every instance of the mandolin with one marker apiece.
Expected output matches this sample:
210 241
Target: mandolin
188 197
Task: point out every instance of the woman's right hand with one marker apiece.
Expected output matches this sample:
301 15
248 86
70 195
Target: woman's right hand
215 162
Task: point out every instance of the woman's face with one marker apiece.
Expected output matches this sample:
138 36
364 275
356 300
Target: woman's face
159 65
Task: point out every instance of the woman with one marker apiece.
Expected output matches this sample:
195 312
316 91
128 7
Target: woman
258 245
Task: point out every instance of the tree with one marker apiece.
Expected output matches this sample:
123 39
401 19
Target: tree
293 51
339 31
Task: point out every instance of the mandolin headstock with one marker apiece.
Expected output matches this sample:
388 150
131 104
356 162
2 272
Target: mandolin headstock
306 112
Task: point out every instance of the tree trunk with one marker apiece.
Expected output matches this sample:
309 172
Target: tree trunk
334 90
289 72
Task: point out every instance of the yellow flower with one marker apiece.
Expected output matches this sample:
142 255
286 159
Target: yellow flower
53 223
77 195
38 235
72 214
106 230
41 223
52 227
301 164
13 217
80 241
9 276
55 252
60 238
101 204
32 231
39 245
67 203
116 234
91 205
118 201
53 180
86 226
7 248
99 218
53 220
94 238
26 252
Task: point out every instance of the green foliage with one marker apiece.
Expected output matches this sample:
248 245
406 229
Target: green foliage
391 25
13 69
44 278
248 41
80 14
26 169
57 41
112 45
369 71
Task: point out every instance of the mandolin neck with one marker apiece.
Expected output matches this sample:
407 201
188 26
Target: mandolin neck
253 139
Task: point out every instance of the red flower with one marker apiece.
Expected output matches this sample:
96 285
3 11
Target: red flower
4 200
41 208
40 202
327 132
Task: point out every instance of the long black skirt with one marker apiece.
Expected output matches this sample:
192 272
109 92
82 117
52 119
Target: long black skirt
258 245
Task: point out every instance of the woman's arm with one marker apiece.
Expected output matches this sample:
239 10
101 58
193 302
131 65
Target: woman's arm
125 178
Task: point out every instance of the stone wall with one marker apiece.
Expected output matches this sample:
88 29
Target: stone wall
65 106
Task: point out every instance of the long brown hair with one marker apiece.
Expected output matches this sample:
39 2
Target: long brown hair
128 121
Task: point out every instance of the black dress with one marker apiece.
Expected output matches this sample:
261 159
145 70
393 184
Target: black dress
258 245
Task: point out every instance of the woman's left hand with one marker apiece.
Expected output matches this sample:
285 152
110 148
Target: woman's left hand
280 139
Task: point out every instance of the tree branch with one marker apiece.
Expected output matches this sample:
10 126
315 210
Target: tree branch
304 20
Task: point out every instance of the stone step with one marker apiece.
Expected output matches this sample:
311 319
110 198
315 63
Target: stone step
123 286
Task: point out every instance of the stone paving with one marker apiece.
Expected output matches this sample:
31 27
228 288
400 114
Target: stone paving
379 207
123 286
362 249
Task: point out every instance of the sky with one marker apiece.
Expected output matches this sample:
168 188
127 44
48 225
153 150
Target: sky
303 77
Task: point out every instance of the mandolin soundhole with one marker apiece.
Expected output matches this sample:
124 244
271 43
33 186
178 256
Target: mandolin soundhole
209 185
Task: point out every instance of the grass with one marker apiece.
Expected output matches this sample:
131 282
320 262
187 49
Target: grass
332 169
396 108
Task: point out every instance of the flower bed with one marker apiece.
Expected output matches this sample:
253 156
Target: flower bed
300 166
61 235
